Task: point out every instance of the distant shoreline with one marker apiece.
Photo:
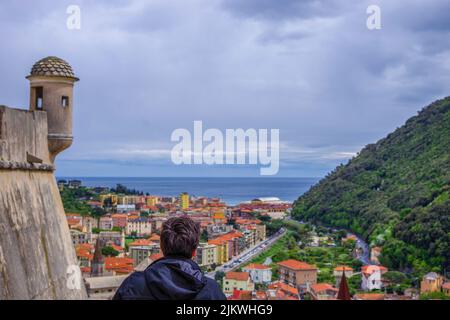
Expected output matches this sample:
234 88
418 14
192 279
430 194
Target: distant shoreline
230 190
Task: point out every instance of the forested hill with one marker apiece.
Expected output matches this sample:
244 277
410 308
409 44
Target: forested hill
395 193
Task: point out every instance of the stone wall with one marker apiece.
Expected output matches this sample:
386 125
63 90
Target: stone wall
35 245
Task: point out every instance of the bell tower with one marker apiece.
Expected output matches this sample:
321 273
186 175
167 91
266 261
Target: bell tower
51 90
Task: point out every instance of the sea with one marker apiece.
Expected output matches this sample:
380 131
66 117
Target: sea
231 190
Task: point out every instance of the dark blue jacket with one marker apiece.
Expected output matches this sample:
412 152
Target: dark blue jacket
170 278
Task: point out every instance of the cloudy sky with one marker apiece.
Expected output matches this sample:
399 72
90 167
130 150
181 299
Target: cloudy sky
310 68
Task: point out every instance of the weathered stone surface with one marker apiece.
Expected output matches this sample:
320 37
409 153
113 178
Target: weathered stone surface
35 244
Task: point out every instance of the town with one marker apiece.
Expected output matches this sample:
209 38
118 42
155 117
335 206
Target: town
254 250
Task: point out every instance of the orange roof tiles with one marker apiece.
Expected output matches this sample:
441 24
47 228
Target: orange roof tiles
247 221
119 215
86 246
446 286
260 295
296 265
85 269
284 287
155 237
370 269
119 265
241 295
342 268
141 242
216 241
73 221
369 296
116 247
238 276
224 238
85 254
318 287
256 266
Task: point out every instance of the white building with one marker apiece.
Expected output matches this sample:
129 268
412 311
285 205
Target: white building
259 273
106 223
271 200
140 253
141 226
103 288
123 208
79 237
371 276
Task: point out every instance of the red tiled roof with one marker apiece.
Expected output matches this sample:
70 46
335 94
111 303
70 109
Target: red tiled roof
296 265
85 269
241 295
140 242
342 268
119 265
247 221
119 215
369 269
260 295
83 253
369 296
85 246
239 276
256 266
116 247
284 287
216 241
446 286
318 287
73 221
154 237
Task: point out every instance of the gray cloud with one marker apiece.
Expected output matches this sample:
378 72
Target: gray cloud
310 68
281 9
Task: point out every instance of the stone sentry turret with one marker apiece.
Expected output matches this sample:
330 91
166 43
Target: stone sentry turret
36 251
51 90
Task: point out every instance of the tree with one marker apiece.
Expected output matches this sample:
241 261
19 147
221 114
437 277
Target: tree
97 212
395 277
96 230
204 236
109 251
219 276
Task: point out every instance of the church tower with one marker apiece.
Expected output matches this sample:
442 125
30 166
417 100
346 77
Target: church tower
98 262
51 90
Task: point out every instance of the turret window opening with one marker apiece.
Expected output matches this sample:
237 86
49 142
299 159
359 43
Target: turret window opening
64 101
39 98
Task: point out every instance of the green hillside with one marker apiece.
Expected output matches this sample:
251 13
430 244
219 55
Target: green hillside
395 193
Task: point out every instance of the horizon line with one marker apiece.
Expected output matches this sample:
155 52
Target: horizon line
189 177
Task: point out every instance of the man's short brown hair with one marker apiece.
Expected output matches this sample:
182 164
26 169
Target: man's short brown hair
180 237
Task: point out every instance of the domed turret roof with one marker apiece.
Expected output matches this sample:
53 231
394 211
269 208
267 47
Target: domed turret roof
52 66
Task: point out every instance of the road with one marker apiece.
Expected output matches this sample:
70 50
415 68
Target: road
248 254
